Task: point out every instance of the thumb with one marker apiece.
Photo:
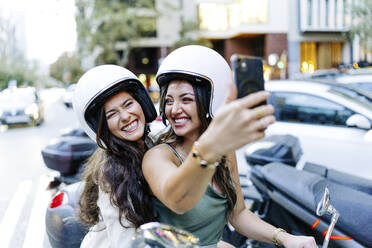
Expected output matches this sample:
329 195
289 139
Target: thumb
231 94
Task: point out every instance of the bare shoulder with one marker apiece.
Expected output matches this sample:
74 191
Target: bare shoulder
158 150
158 162
158 154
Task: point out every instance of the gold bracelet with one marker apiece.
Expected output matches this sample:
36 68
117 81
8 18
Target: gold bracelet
275 236
203 162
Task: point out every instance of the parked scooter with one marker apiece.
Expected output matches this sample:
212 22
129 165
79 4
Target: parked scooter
287 197
67 155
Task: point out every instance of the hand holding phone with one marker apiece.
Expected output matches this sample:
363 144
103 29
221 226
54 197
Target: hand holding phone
248 74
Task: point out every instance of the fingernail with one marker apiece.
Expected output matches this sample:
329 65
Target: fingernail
266 93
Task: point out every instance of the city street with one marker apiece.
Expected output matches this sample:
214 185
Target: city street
312 58
23 175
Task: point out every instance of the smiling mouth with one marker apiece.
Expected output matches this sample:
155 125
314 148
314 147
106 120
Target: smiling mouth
131 127
180 121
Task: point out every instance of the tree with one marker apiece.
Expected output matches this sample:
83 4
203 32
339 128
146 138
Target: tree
187 36
361 25
67 68
13 65
102 24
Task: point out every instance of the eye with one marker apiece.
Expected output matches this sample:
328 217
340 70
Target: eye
188 99
128 104
110 115
168 101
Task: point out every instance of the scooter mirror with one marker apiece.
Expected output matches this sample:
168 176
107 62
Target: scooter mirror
158 235
323 205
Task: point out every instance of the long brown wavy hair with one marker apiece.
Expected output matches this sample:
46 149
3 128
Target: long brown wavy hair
115 168
222 176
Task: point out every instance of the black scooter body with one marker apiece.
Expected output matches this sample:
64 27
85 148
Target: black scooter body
67 155
294 194
289 196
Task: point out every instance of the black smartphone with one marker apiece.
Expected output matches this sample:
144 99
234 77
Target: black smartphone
248 74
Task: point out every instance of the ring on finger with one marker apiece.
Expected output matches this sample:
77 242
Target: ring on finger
260 114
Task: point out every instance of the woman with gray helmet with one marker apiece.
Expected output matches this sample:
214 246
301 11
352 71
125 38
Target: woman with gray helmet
114 109
193 173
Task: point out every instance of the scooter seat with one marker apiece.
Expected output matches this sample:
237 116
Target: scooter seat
307 188
355 182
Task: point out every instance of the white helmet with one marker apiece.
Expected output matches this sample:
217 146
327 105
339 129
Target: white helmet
197 64
101 82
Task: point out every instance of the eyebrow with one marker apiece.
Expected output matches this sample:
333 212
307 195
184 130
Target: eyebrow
124 102
182 95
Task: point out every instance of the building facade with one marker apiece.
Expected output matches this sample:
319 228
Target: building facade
163 27
147 52
316 35
291 36
248 27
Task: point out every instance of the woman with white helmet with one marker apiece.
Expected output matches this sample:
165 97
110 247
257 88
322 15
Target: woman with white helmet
193 173
114 109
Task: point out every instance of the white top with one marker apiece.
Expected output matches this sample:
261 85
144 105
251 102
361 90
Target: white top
108 233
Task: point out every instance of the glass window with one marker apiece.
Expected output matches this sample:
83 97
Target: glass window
147 26
308 57
364 86
305 108
326 13
309 13
140 4
347 15
336 14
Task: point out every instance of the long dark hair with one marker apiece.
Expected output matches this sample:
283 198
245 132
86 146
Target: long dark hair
116 169
222 176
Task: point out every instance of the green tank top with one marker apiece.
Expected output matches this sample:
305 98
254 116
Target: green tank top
206 220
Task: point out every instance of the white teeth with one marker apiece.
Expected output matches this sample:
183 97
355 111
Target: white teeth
131 126
178 121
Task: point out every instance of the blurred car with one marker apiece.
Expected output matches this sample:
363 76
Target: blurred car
21 106
333 123
320 74
67 96
356 79
362 80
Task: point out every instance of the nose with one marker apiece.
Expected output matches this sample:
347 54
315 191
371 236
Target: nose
176 107
124 116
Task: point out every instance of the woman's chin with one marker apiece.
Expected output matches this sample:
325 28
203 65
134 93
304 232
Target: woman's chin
184 131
